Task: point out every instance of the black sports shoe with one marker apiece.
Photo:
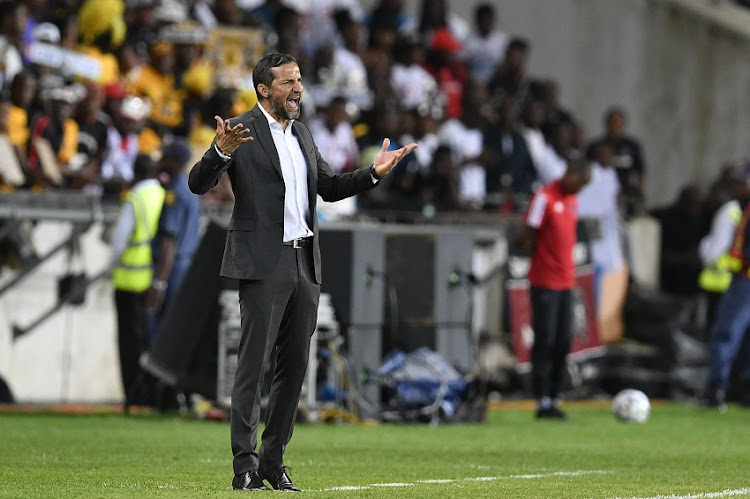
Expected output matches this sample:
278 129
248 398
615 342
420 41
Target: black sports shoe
714 398
551 412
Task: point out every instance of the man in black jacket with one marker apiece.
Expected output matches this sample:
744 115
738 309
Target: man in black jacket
272 249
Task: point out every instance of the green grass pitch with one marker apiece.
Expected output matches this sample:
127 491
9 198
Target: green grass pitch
682 451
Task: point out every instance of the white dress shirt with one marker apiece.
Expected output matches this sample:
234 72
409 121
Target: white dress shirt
294 171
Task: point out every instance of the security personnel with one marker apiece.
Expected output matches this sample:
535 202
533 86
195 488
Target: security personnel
732 318
132 266
714 248
178 235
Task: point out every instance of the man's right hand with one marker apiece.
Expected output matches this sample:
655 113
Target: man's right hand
228 139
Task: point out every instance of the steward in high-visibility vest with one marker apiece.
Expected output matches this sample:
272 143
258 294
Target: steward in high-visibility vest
732 320
716 275
134 271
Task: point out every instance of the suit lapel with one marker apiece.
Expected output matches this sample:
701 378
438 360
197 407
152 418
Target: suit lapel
262 132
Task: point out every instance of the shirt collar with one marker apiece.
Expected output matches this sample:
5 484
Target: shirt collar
271 121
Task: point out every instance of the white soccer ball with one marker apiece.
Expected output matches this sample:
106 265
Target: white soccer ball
632 406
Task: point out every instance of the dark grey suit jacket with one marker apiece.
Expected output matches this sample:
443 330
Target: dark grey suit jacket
256 228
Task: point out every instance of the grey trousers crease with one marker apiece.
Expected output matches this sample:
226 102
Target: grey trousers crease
277 311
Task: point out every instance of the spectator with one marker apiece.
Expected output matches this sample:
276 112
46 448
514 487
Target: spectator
558 152
484 49
598 203
509 164
390 14
92 138
449 72
22 92
122 144
464 138
682 228
13 17
628 158
531 129
411 82
347 57
548 93
58 127
509 80
157 83
142 26
334 136
102 29
445 187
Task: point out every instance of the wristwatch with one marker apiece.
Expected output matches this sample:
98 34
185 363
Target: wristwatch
159 285
374 173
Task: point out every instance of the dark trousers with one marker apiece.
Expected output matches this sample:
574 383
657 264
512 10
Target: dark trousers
552 315
277 312
728 331
131 337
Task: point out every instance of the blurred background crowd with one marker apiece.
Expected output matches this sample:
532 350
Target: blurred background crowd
89 85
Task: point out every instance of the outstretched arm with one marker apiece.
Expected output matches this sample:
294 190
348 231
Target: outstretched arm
218 158
385 160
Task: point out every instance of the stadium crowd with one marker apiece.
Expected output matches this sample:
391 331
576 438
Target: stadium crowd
88 85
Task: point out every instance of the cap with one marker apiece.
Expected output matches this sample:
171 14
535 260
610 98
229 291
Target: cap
171 11
47 33
114 91
135 108
443 40
740 172
178 149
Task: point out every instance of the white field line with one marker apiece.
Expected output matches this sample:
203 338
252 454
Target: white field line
702 495
470 479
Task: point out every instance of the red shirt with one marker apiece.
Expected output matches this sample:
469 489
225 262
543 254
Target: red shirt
554 214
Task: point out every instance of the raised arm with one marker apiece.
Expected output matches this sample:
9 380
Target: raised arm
206 173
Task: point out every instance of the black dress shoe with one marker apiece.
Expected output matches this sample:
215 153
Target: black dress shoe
248 481
278 478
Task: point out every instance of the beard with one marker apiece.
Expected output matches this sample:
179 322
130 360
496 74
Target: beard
280 108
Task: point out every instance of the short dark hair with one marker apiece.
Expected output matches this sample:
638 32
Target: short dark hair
484 10
612 112
143 167
262 74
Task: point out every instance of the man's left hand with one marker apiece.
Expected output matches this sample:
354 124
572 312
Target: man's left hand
385 160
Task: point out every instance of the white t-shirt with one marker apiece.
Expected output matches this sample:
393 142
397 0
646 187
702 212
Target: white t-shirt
482 55
598 200
412 84
466 144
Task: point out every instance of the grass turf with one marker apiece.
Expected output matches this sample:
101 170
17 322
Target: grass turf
681 450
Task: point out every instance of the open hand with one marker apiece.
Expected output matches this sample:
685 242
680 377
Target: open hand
228 139
385 160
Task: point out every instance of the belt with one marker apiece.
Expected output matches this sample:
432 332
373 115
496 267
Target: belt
298 243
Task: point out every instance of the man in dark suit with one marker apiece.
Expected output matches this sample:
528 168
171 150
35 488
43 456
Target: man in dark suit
272 248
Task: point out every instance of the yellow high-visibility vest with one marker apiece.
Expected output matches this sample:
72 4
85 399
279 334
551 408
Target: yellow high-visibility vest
717 277
135 271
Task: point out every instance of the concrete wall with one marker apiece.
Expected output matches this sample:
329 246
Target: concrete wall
683 79
72 357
